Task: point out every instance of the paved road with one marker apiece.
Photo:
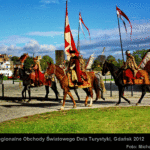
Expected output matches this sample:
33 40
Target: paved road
10 110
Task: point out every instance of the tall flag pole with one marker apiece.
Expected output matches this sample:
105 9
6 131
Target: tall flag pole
120 35
69 41
78 44
119 15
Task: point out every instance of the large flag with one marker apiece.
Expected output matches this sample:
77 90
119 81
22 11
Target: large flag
81 21
145 60
120 14
90 62
69 41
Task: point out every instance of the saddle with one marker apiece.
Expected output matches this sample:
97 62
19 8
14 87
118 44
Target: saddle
85 79
141 77
40 79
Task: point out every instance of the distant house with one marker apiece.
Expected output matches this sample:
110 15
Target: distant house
6 65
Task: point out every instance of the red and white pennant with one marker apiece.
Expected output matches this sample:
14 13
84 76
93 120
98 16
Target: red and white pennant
69 41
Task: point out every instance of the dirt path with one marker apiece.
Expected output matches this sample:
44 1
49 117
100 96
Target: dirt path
10 110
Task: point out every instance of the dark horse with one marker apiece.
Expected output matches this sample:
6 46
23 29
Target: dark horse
24 76
117 74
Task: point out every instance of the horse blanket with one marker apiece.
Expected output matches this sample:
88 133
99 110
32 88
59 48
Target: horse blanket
86 83
140 78
39 76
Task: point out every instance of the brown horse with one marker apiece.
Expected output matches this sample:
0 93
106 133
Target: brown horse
63 79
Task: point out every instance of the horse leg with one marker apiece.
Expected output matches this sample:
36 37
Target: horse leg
120 89
29 93
64 99
54 88
23 92
102 94
76 92
97 92
74 103
91 94
98 95
47 91
122 92
87 97
143 94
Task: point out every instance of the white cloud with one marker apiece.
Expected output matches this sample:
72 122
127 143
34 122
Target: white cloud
49 1
110 38
31 47
49 33
15 39
46 2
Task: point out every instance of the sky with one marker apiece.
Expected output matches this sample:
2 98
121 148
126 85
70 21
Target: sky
37 26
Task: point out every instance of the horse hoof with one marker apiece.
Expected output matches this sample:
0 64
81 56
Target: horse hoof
137 104
62 108
103 99
85 105
89 105
117 104
74 106
95 101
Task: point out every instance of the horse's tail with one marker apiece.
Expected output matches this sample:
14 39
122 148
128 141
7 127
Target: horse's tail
99 85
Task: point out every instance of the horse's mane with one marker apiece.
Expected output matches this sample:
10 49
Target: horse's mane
113 66
23 57
60 70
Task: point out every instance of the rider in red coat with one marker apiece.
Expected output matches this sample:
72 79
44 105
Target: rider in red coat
74 66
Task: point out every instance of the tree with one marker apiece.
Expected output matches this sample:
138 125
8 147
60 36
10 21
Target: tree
112 59
138 55
120 63
44 60
15 59
96 66
28 62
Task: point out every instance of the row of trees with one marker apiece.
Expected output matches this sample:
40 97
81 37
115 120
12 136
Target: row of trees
138 55
97 65
29 61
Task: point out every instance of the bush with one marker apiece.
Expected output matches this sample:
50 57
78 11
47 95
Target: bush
5 78
98 69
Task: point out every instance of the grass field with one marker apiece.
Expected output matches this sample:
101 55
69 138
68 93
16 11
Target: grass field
101 120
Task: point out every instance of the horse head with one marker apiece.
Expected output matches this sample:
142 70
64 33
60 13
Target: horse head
50 68
105 68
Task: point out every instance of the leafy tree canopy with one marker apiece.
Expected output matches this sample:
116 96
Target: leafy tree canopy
44 60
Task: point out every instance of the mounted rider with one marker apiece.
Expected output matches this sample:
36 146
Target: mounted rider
131 67
36 75
74 67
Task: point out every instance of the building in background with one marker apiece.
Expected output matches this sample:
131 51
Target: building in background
6 65
59 56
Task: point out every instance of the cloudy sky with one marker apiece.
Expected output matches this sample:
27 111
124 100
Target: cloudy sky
37 26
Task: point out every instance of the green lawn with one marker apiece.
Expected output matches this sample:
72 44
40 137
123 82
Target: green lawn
101 120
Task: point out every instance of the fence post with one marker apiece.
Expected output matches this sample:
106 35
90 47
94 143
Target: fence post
2 90
111 87
131 90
